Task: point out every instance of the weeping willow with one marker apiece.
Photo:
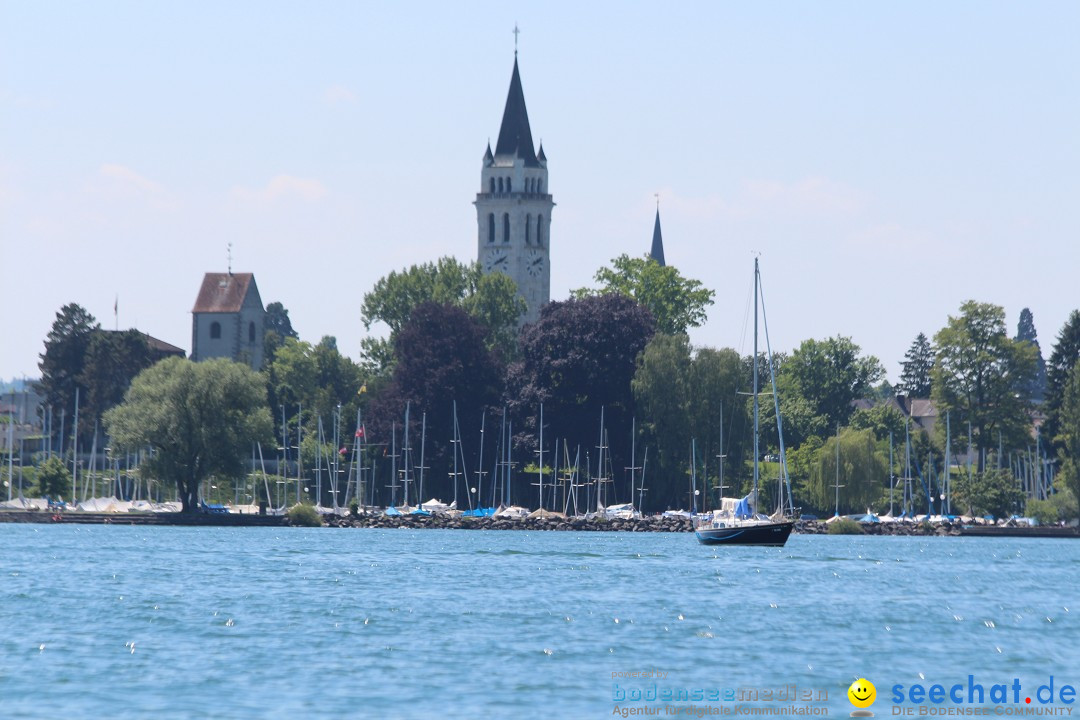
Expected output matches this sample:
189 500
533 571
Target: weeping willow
863 473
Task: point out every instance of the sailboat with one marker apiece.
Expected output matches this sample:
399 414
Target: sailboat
737 522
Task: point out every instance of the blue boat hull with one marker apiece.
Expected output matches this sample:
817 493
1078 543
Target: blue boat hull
769 534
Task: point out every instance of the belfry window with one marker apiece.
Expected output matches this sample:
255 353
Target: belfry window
500 185
492 186
491 224
251 332
539 229
215 331
528 222
508 185
506 227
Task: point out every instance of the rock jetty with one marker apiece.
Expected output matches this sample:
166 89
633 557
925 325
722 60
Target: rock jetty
647 524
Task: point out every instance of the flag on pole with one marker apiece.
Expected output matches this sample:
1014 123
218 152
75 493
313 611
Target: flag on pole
360 431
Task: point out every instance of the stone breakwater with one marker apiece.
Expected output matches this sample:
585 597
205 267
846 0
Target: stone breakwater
649 524
646 524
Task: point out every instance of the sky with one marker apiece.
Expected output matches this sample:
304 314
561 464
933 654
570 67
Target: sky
888 161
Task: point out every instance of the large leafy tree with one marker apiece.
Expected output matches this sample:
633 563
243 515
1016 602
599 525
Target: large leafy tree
491 298
199 420
579 357
1063 358
984 377
677 303
315 379
443 360
829 374
65 353
1025 332
915 378
1069 422
54 480
682 394
112 361
662 389
278 326
862 472
992 492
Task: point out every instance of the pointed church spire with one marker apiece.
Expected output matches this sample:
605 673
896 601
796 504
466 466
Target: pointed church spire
540 156
515 136
657 252
489 159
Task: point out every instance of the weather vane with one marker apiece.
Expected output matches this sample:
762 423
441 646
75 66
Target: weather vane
657 196
516 33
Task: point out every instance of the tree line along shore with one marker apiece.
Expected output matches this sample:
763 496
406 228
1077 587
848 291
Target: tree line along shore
450 398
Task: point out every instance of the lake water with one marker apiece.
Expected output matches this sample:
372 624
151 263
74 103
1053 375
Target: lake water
113 621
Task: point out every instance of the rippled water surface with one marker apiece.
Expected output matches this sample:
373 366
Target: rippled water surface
111 621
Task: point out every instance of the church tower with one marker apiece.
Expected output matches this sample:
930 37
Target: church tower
513 207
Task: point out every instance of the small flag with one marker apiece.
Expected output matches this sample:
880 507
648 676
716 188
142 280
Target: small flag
362 390
342 451
360 431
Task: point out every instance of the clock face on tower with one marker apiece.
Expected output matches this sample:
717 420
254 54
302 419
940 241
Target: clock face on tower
496 260
534 262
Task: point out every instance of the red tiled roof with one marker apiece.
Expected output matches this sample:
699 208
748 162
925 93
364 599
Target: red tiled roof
222 292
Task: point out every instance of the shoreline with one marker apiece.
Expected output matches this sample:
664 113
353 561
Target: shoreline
443 522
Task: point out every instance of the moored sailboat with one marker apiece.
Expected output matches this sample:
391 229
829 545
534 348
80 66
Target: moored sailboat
739 522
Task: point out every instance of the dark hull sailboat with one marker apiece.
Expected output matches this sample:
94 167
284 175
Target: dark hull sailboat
773 534
742 524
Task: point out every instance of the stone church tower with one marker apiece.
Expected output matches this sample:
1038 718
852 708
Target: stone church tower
513 207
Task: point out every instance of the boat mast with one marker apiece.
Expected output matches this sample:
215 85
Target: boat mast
755 390
891 474
600 463
480 464
422 467
836 483
946 485
541 453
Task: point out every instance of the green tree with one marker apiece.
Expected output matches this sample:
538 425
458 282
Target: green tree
1063 358
662 389
881 419
983 377
829 374
492 298
677 303
915 379
1070 437
993 492
199 420
682 394
112 361
716 378
1025 332
54 480
863 473
65 353
316 378
278 326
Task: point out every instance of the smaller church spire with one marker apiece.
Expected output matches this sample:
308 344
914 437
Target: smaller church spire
540 156
489 159
657 251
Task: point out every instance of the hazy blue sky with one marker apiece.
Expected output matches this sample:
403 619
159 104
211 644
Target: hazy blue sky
889 160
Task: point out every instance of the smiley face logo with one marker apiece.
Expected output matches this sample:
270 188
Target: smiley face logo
862 694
